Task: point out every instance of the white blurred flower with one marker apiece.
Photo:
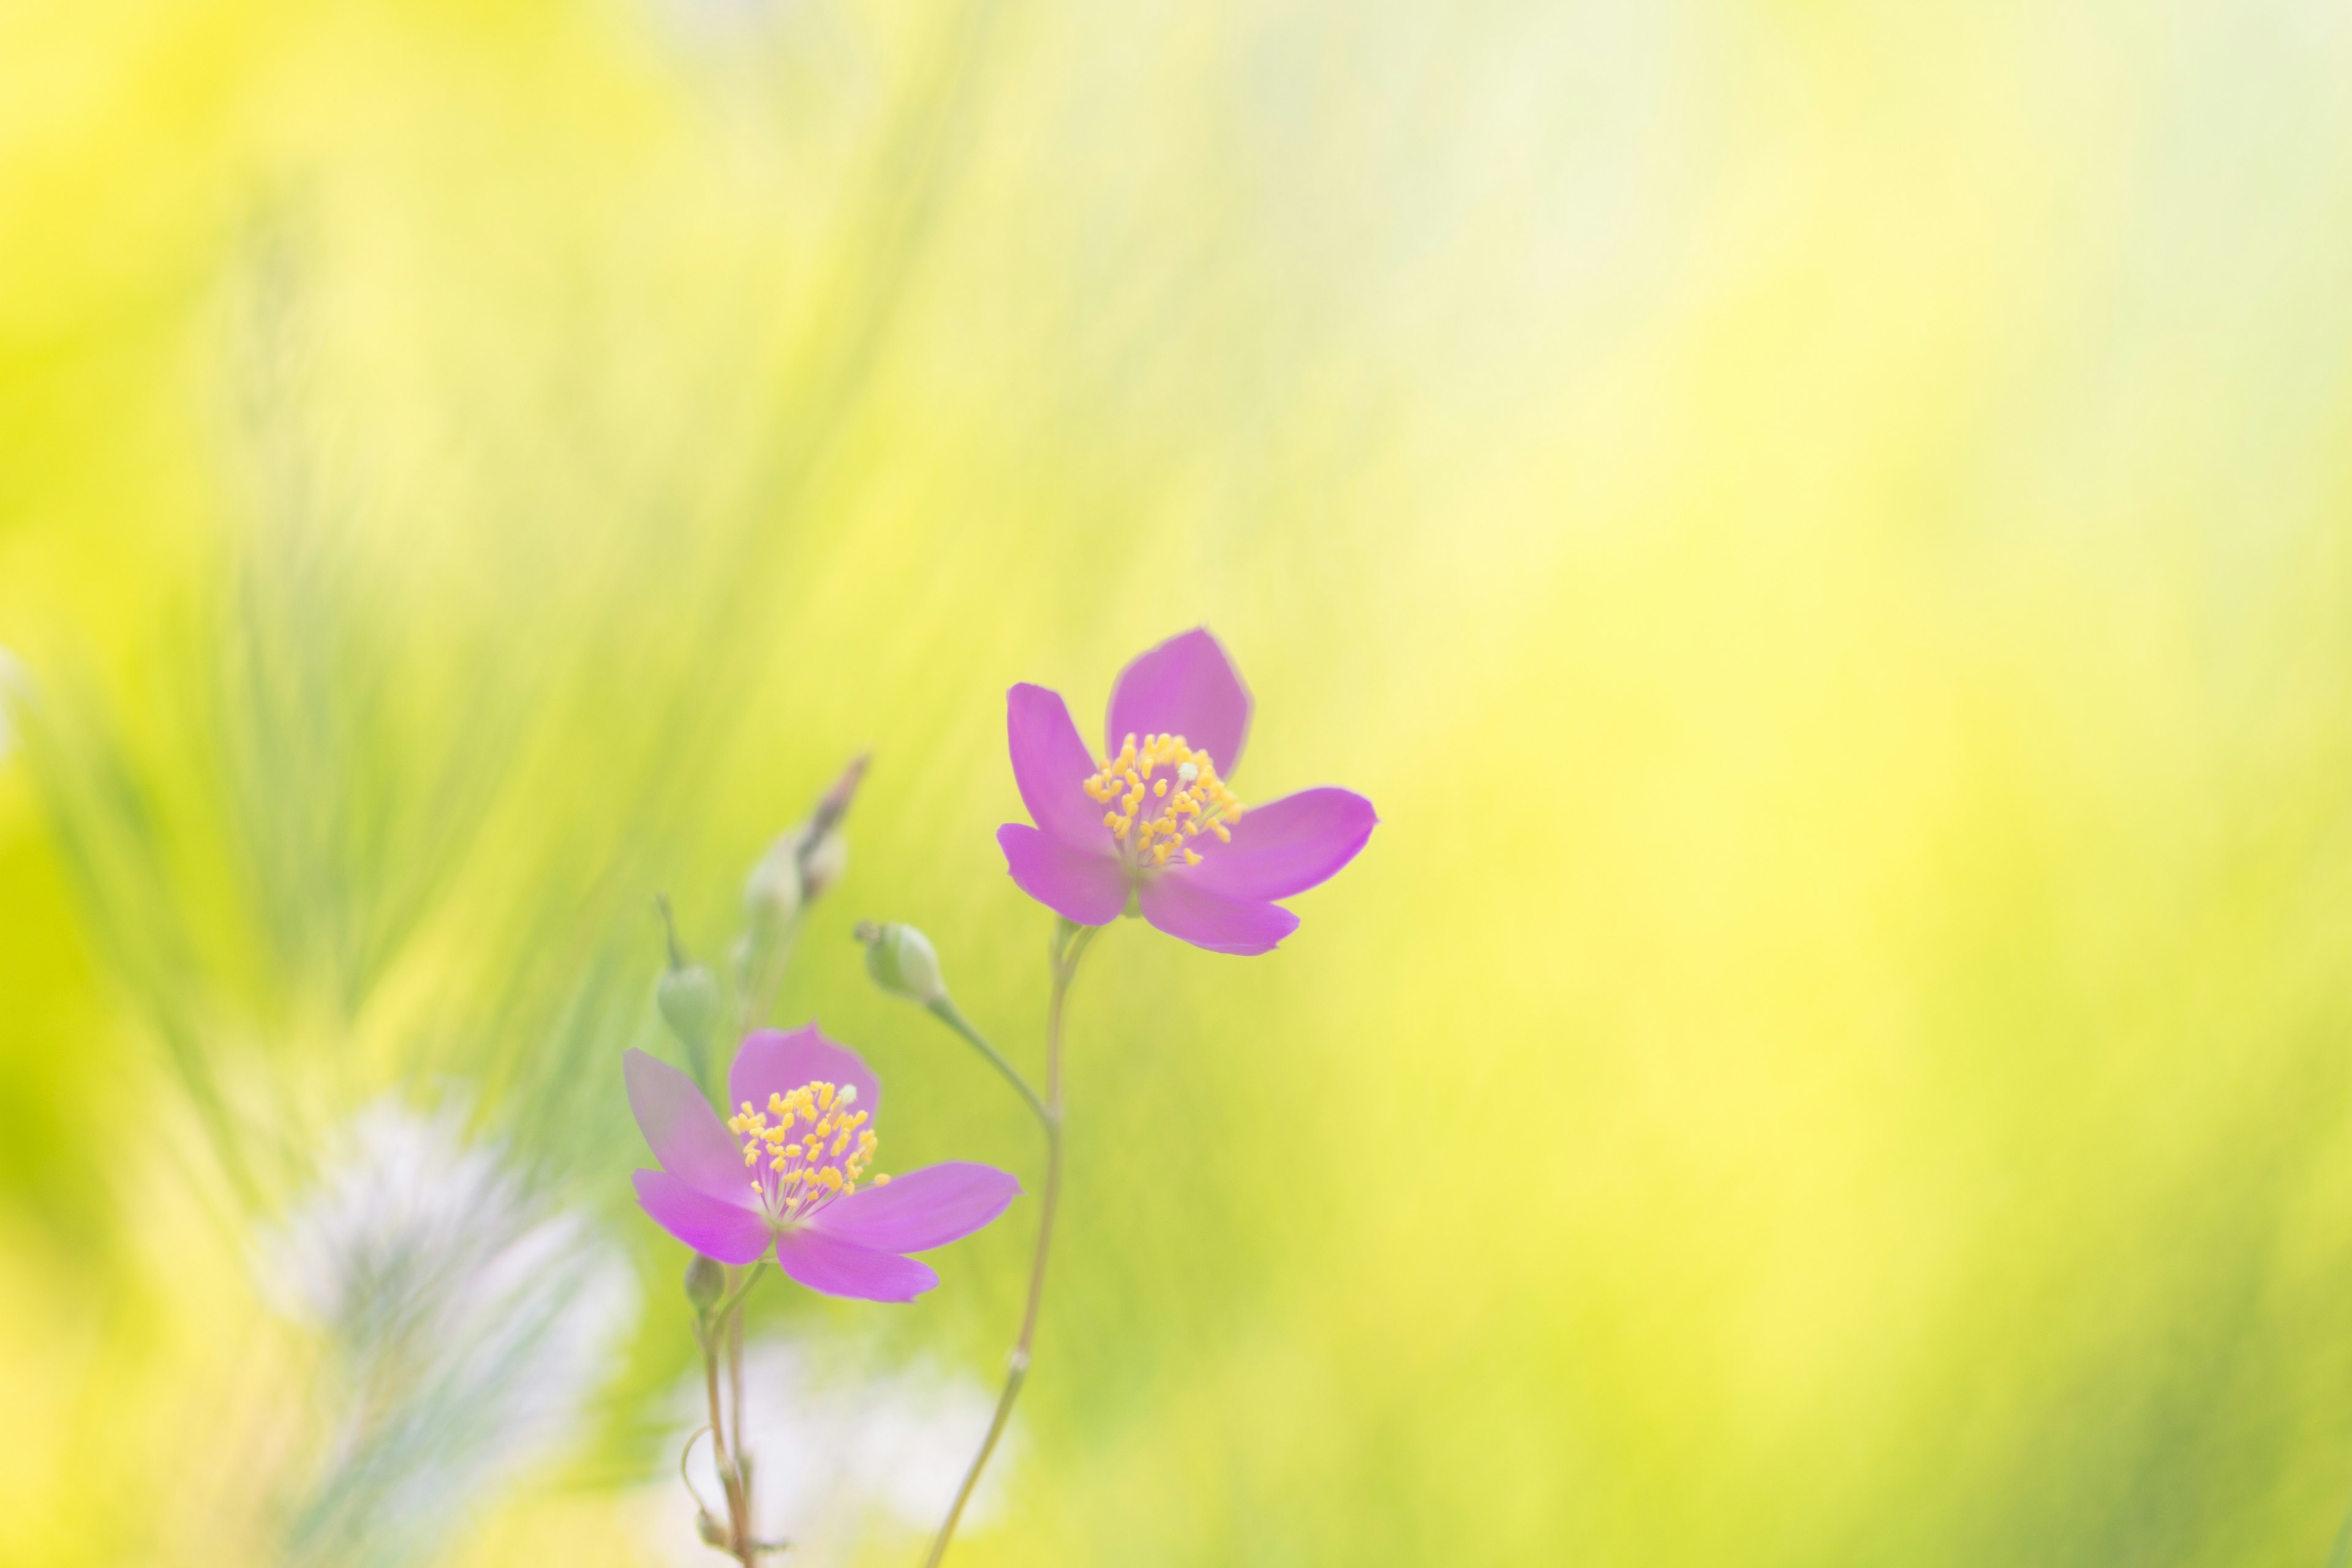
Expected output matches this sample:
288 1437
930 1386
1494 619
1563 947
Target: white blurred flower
844 1446
472 1320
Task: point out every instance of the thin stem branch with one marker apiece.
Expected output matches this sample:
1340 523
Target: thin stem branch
734 1299
734 1476
739 1508
735 1391
947 1012
1069 946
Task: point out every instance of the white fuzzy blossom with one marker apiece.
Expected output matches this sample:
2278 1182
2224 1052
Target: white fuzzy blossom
471 1320
846 1449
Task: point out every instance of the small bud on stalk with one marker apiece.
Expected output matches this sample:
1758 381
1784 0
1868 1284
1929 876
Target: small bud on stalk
688 999
804 861
705 1282
690 1004
797 869
903 962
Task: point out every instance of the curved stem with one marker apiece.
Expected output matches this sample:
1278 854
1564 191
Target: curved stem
947 1012
739 1506
734 1299
1069 946
734 1474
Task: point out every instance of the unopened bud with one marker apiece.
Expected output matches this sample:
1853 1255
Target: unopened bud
705 1282
713 1533
824 857
690 1004
903 962
772 896
687 996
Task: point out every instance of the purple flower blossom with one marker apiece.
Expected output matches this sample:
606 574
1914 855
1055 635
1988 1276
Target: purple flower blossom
1152 819
783 1172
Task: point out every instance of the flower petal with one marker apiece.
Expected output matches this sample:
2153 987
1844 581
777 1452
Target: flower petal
1184 687
685 1135
922 1209
707 1225
1052 766
1089 888
1194 914
838 1267
1287 846
777 1061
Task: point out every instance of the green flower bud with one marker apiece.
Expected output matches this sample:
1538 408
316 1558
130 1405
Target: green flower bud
824 857
804 861
705 1282
690 1004
772 896
903 962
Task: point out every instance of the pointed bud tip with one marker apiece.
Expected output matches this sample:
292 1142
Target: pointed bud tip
690 1003
705 1282
903 962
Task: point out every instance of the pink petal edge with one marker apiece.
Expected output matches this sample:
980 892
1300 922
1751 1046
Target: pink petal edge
705 1223
922 1209
837 1268
685 1135
1088 889
1187 686
1243 927
777 1061
1051 765
1287 846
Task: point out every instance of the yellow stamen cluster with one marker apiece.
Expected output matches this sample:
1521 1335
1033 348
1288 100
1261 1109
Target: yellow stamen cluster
815 1147
1155 818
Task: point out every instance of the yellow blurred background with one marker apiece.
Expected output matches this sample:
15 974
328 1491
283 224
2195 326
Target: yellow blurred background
1825 529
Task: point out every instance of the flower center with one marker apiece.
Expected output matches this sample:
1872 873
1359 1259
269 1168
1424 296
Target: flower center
806 1149
1162 794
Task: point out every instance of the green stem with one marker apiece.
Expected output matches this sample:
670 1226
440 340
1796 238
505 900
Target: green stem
734 1474
1069 946
947 1012
738 1505
734 1298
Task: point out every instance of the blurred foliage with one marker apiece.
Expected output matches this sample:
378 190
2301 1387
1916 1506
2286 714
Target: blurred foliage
1823 527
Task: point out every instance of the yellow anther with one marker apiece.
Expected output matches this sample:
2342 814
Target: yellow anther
1194 801
793 1150
881 1181
750 1154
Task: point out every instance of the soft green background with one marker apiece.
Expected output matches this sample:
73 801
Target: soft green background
1824 528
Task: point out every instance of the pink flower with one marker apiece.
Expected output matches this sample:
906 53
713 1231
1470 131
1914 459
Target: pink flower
783 1172
1152 820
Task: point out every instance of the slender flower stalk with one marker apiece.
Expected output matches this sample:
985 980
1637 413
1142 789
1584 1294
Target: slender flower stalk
1070 943
730 1480
947 1012
726 1321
